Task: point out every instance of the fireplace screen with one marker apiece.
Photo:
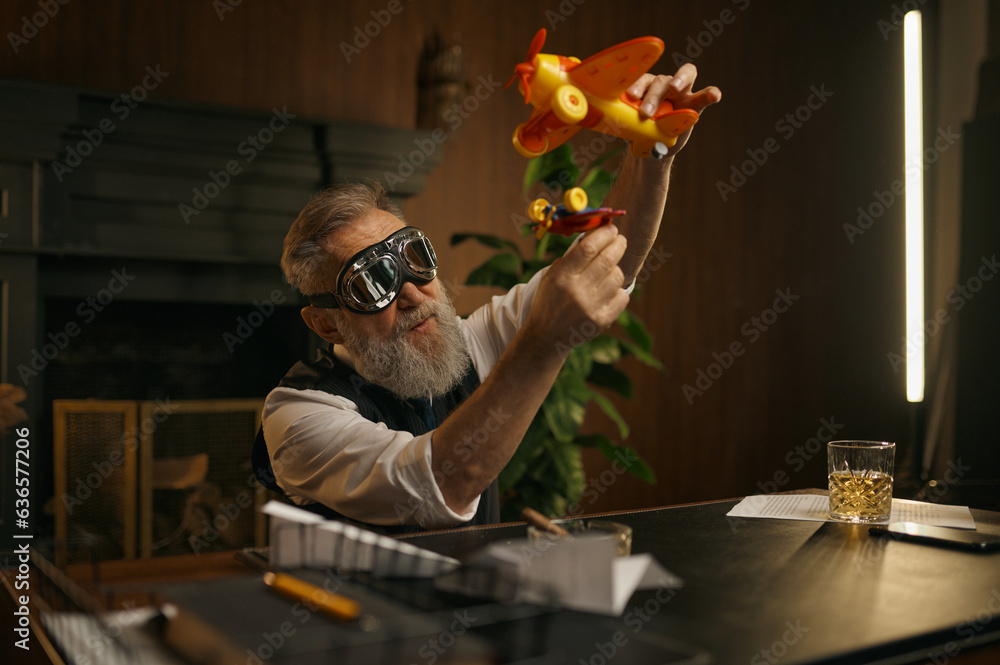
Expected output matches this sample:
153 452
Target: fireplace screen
95 480
185 464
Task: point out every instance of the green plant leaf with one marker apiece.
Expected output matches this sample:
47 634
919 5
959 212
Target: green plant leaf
530 267
563 413
527 452
554 246
555 169
591 440
604 349
629 459
612 378
501 270
618 147
493 242
597 183
577 366
641 354
567 464
636 330
611 412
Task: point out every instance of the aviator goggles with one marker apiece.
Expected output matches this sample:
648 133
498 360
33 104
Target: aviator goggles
373 277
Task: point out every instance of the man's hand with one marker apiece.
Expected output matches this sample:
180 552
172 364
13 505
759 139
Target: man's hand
579 296
678 90
582 292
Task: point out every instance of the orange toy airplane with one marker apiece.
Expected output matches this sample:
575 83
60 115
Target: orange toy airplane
568 95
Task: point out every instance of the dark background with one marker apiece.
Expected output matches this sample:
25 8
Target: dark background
822 361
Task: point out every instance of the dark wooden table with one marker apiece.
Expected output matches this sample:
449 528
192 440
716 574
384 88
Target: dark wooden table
768 591
756 591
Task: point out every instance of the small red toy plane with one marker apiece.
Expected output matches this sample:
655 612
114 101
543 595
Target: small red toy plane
574 216
568 95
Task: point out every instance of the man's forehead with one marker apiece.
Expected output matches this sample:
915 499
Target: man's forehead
363 232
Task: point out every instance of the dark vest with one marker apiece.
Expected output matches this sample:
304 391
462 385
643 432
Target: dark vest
378 405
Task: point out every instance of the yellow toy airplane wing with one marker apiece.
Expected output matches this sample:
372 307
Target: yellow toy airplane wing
609 73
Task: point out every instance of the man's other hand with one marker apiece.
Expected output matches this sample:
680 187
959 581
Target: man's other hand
678 90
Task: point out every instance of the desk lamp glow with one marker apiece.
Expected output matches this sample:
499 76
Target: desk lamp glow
914 129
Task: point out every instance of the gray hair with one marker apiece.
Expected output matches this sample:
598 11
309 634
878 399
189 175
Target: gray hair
304 260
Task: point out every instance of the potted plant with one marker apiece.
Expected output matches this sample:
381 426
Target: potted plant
546 472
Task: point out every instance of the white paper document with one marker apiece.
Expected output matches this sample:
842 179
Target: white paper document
815 507
578 573
301 539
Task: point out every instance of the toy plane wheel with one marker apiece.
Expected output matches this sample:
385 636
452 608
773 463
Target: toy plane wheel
659 150
569 104
536 212
575 199
525 152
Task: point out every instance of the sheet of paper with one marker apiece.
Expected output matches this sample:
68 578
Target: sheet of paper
301 539
579 573
815 507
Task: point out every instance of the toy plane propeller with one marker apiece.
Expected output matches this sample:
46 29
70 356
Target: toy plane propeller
569 95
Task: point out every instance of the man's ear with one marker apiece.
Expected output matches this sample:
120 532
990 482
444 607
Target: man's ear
321 323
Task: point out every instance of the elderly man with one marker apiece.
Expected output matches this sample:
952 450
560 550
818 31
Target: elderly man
408 418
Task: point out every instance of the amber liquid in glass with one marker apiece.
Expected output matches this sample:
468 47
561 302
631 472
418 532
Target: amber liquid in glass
860 496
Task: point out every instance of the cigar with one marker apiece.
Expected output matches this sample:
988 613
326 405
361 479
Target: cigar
535 518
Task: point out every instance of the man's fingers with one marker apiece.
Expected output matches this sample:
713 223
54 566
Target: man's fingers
700 100
679 89
638 89
590 247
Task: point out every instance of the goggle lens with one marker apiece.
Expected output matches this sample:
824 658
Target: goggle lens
419 254
374 283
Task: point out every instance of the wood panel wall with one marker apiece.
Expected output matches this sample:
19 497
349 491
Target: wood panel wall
823 361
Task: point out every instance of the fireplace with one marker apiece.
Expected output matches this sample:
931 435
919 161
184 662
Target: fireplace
138 258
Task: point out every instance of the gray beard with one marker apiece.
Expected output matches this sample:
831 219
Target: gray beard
431 368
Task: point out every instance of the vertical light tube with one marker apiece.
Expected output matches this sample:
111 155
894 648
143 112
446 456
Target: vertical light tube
913 165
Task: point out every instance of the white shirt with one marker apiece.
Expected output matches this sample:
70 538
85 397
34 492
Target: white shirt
323 451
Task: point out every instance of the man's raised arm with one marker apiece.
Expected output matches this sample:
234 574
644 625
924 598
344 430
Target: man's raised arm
641 186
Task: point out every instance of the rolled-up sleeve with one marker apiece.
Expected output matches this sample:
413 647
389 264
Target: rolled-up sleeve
323 451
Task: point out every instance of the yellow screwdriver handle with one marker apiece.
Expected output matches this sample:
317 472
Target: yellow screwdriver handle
314 596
